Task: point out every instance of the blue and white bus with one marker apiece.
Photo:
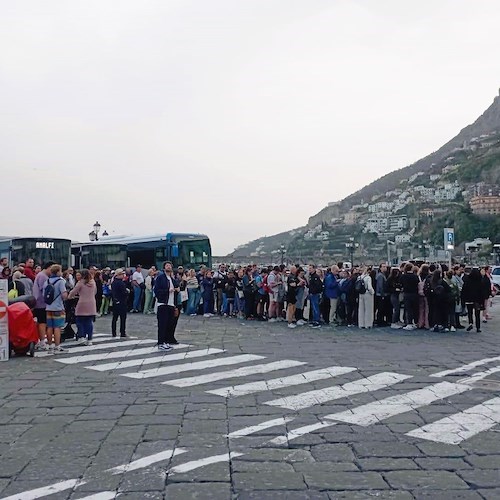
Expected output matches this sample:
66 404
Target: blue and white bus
182 249
40 249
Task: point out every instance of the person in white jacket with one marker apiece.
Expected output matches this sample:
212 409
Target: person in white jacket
365 309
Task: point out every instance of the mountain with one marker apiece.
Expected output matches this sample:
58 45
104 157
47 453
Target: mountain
440 183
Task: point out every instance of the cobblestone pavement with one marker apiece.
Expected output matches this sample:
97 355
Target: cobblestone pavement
252 410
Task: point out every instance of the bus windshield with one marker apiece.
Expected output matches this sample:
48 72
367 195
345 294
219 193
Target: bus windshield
41 251
193 253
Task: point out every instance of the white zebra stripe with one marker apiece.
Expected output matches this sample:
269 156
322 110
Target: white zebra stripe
319 396
154 359
239 372
278 383
467 367
200 365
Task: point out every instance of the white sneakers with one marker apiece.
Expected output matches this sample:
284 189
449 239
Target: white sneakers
272 320
410 327
292 325
396 326
164 347
301 322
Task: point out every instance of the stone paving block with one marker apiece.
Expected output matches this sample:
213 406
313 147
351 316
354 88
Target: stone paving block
267 481
386 464
370 495
345 481
442 463
140 410
282 495
161 432
430 480
484 462
278 455
215 473
201 491
144 495
143 480
324 466
204 426
274 467
11 467
446 495
383 449
481 478
332 452
490 494
440 450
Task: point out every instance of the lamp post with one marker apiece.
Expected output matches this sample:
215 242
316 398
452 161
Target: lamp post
94 234
423 246
389 261
350 246
282 252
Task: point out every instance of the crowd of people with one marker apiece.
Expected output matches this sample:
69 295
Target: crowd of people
429 296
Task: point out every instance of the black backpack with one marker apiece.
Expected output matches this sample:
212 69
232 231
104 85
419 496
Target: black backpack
49 294
359 286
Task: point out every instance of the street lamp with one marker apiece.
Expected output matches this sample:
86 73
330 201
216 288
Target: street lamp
389 242
423 246
351 245
282 252
94 234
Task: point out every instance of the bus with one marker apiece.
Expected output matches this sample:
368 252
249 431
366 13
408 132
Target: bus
40 249
182 249
100 254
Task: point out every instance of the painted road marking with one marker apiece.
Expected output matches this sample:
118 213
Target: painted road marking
104 356
252 429
46 490
278 383
103 495
200 365
196 464
147 461
112 344
377 411
460 426
478 376
103 367
319 396
239 372
467 367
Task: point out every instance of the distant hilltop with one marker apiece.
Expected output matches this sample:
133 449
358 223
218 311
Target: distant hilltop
457 185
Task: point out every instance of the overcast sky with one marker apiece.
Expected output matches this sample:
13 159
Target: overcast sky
236 118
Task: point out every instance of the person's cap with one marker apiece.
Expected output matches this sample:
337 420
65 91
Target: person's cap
119 271
107 269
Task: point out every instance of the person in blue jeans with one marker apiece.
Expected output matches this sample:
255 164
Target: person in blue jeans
315 291
208 294
193 290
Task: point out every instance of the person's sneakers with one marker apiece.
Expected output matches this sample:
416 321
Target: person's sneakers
42 346
478 330
113 334
81 341
59 350
453 329
301 322
292 325
50 349
174 342
194 314
460 327
408 327
470 327
165 347
272 320
123 336
89 343
207 315
396 326
316 325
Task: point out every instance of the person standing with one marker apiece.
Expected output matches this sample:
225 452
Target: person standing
291 297
332 293
138 285
148 297
40 312
410 280
381 296
315 291
86 308
365 307
56 316
207 284
119 293
166 290
28 269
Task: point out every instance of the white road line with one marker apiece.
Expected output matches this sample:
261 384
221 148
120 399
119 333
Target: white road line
101 338
46 490
200 365
239 372
467 367
478 376
147 461
300 431
196 464
278 383
103 495
460 426
376 411
319 396
252 429
103 367
104 356
112 344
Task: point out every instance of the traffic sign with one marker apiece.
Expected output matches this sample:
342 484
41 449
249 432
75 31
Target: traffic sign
449 238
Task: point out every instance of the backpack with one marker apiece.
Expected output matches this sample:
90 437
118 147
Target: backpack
421 287
427 287
13 292
106 290
360 286
49 293
438 290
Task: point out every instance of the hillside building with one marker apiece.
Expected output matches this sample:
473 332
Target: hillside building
485 205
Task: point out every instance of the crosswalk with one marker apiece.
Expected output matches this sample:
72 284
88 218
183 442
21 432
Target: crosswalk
131 358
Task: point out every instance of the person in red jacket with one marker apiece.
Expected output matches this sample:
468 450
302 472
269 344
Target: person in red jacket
28 269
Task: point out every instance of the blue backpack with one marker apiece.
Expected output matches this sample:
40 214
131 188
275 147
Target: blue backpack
49 293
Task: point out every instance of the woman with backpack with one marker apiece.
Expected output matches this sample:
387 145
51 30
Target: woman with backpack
423 302
394 289
441 295
86 310
473 296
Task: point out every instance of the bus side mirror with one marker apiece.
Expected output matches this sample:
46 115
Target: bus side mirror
175 250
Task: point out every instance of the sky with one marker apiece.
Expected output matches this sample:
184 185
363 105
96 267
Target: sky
234 118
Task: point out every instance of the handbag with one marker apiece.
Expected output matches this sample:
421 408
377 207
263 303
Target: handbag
184 295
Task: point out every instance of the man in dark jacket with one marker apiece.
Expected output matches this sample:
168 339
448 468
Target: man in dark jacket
315 291
166 290
120 293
